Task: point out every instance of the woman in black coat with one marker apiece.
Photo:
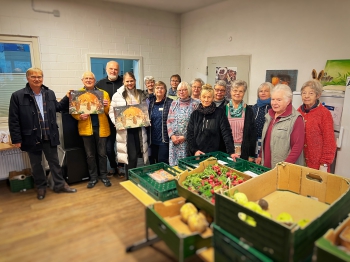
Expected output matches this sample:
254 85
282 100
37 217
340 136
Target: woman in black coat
208 129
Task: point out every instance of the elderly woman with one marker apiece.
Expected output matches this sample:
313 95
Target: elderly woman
179 114
241 119
132 142
220 94
174 82
208 129
260 109
196 87
283 132
149 83
158 137
320 145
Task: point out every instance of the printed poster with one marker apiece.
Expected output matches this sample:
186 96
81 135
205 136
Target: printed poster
86 102
228 74
131 116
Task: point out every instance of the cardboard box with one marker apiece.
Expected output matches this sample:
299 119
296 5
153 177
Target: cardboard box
21 180
164 219
197 200
327 247
305 193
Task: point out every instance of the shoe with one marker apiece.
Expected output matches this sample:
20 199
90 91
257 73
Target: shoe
92 183
41 193
111 173
106 182
120 173
65 189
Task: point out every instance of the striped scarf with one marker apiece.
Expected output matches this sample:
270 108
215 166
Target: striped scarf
44 124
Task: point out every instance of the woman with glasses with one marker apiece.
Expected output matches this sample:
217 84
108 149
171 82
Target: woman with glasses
179 114
320 146
220 94
158 138
174 81
260 110
132 142
241 119
196 87
208 129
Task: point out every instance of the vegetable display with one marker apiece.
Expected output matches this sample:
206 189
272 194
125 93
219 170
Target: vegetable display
213 178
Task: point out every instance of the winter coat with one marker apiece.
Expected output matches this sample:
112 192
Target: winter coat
24 122
208 133
85 126
119 99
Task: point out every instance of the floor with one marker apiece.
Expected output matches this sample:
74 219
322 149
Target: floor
91 225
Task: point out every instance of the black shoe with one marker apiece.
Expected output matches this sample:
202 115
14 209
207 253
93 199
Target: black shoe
41 192
106 182
92 183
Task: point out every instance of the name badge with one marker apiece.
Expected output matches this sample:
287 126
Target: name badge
161 109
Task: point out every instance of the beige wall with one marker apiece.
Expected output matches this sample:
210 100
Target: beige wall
86 27
282 34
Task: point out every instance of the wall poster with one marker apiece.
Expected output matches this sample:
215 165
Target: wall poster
228 74
131 116
287 77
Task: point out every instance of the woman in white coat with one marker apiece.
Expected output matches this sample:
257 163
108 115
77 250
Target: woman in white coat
131 143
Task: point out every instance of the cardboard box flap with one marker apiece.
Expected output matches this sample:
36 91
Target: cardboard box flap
337 186
289 177
314 184
169 208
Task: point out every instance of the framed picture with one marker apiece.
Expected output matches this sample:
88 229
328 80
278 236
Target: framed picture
86 102
336 72
287 77
227 74
131 116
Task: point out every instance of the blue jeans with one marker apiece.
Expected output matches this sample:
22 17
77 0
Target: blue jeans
38 173
95 144
159 153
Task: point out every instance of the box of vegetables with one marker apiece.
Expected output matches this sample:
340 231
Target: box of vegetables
284 211
200 184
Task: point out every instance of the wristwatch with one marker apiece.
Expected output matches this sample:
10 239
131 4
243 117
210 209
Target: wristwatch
325 165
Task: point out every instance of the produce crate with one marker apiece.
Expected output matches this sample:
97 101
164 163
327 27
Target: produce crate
303 192
25 182
225 159
159 191
327 247
194 198
230 248
164 220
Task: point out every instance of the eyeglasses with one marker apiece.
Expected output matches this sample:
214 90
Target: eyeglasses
175 81
36 77
220 90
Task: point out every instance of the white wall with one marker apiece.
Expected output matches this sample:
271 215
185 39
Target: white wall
278 35
86 27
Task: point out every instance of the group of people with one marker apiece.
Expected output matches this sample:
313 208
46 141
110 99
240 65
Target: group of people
186 119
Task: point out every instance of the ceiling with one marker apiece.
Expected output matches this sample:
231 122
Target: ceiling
173 6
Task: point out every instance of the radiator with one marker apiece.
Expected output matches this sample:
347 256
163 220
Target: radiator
12 160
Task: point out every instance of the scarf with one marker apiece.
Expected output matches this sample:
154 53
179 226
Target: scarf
206 110
308 110
236 112
265 102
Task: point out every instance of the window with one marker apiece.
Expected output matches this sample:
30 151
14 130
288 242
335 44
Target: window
17 54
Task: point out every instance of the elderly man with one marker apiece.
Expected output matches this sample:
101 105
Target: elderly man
219 94
33 128
94 129
111 84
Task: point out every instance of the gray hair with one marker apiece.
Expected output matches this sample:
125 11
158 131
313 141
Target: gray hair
88 72
221 83
148 78
265 84
197 80
288 94
185 84
314 85
238 83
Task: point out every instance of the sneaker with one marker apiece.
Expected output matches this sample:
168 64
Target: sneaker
111 173
92 183
120 172
106 182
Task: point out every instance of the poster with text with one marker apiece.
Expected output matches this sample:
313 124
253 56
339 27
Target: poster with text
131 116
227 74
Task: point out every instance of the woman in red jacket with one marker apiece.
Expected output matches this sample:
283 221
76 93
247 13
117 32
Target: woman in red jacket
320 146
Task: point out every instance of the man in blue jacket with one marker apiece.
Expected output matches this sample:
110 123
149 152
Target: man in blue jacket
33 128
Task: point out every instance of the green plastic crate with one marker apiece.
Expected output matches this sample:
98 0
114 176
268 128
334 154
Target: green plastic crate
159 191
230 248
240 164
21 185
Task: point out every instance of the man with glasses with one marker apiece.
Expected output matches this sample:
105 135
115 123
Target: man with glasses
219 94
111 84
33 128
174 82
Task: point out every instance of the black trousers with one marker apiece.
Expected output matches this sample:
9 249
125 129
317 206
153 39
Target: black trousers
134 149
38 172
